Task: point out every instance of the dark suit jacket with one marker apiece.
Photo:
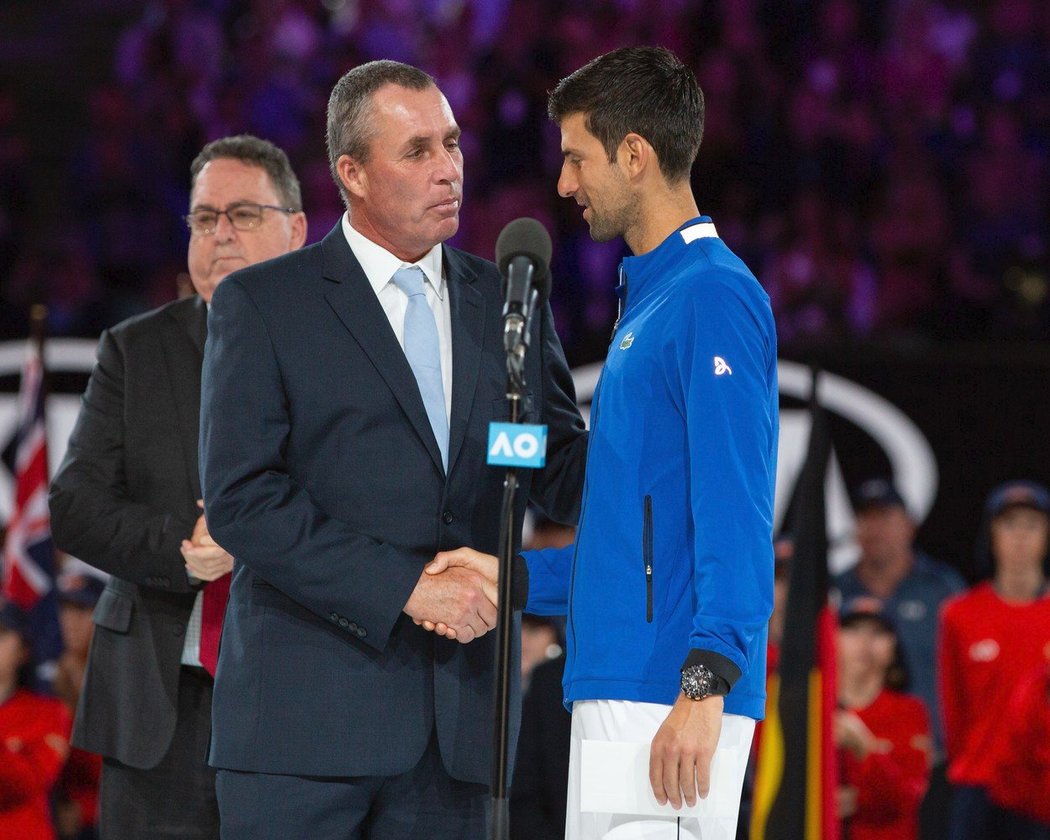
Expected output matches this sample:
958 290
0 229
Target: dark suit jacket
323 478
122 500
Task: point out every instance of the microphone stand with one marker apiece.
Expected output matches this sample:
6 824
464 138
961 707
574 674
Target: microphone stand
500 826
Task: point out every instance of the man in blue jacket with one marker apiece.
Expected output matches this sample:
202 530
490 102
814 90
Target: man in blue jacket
669 586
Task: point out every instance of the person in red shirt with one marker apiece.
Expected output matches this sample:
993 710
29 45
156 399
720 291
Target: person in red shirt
884 734
76 793
1021 779
34 737
991 639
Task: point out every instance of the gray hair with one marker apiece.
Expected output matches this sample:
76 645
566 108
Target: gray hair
350 107
253 151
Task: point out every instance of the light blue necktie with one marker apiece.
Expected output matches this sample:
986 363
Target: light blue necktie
424 352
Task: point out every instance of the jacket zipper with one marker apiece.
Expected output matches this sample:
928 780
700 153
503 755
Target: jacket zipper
647 557
621 300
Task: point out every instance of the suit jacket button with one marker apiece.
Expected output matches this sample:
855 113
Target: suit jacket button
447 517
178 629
334 617
343 622
352 627
361 632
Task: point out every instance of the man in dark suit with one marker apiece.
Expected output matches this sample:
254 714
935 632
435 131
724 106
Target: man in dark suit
125 500
337 459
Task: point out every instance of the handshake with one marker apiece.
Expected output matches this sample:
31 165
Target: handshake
456 596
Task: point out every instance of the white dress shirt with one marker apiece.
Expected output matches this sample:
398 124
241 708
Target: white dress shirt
191 646
379 266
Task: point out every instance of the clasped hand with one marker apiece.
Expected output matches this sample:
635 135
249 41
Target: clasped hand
205 559
456 595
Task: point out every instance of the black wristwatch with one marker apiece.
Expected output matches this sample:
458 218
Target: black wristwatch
699 682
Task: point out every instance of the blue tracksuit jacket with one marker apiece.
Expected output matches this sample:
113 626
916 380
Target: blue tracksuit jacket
673 560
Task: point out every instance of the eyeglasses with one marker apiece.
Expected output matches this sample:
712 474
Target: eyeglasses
243 216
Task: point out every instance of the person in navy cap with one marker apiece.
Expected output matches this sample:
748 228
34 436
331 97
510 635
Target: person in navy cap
78 593
910 584
993 640
76 794
912 587
882 732
34 735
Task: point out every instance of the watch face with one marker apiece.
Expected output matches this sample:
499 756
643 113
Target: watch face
697 682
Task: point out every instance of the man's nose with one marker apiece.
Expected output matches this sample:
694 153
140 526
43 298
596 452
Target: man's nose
224 229
567 185
448 168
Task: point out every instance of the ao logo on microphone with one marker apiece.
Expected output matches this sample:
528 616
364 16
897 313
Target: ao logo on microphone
517 445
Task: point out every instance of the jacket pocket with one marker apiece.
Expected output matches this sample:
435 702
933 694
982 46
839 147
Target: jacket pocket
113 611
647 556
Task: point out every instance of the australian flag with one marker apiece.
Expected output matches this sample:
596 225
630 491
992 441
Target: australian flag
28 572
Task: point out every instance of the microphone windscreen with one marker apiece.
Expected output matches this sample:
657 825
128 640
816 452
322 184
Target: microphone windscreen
525 237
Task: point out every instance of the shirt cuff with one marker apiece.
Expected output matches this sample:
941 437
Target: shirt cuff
519 583
721 666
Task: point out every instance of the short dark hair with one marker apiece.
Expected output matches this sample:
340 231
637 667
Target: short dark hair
349 107
645 90
253 151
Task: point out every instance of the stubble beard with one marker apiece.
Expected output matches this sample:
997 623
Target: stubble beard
620 216
612 224
602 230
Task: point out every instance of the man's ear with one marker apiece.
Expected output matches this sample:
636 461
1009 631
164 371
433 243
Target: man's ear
298 230
635 155
352 176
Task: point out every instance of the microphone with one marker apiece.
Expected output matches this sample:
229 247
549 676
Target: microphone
523 253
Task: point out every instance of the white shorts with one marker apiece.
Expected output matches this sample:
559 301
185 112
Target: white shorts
631 722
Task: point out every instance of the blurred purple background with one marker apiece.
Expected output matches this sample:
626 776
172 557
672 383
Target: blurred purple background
881 166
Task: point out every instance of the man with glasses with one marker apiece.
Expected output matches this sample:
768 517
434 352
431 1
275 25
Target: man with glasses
125 499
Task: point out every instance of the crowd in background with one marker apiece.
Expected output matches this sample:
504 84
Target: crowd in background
48 788
942 725
880 164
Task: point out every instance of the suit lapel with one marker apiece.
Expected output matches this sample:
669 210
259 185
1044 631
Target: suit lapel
468 337
351 297
184 356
